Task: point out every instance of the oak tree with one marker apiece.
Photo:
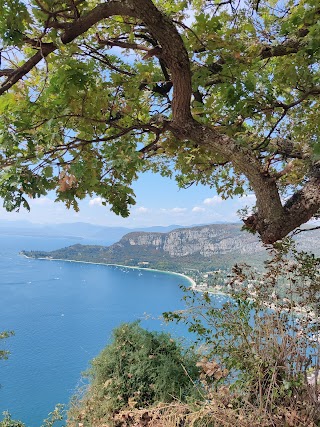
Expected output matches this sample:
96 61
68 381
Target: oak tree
221 92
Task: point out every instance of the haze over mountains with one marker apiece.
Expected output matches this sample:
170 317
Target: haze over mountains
77 230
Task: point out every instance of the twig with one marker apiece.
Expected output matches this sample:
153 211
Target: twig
302 230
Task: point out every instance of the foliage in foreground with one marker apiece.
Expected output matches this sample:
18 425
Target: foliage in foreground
138 369
267 341
259 364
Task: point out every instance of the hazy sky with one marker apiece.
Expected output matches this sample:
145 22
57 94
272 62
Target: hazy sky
159 202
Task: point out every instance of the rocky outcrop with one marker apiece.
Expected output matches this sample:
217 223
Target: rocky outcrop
205 247
206 240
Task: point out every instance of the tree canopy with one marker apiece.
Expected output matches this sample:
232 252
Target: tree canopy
218 92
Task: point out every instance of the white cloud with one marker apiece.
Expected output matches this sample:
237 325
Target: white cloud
198 209
174 211
142 210
96 201
42 201
246 200
178 210
249 198
212 201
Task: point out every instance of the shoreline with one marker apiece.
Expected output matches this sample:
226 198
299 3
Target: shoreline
192 282
302 311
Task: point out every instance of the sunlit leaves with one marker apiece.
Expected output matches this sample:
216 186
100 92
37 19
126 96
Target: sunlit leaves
14 20
77 121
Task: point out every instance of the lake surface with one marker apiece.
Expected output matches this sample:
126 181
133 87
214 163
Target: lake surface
63 314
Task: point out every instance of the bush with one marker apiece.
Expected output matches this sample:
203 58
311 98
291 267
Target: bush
9 422
139 368
265 338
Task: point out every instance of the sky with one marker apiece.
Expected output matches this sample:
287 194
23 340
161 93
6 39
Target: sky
159 201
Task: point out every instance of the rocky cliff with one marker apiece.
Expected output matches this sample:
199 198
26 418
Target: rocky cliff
206 240
205 247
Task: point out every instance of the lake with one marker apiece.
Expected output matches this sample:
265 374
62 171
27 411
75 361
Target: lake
63 314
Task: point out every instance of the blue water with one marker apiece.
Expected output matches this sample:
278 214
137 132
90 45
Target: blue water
62 314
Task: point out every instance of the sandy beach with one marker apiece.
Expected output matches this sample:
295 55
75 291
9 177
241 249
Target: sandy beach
192 282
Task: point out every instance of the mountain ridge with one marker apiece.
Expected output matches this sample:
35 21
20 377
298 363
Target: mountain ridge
202 247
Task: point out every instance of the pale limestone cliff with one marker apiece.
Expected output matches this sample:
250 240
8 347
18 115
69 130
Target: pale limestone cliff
205 240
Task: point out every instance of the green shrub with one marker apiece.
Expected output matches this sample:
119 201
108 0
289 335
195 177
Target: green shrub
137 369
147 366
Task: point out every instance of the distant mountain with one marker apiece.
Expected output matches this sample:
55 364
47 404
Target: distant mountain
77 230
97 232
201 247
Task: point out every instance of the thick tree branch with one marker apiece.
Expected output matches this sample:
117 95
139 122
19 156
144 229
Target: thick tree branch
268 199
272 221
73 30
299 209
20 72
100 12
287 48
6 72
173 53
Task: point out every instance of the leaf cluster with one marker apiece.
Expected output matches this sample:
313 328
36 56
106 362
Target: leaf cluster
92 108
